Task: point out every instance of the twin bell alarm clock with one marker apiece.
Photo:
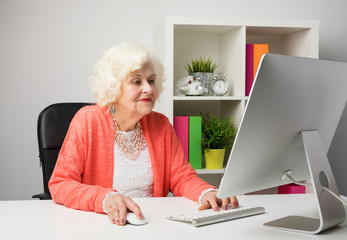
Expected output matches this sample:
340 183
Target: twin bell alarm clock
219 85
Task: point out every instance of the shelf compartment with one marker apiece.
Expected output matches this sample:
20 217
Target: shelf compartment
285 41
223 44
220 108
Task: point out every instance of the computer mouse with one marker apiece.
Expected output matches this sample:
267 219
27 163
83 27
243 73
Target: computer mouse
132 219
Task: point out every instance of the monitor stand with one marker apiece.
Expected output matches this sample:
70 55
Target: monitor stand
331 211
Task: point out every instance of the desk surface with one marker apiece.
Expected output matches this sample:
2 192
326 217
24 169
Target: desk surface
47 220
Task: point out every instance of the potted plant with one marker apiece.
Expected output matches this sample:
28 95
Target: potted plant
217 135
202 69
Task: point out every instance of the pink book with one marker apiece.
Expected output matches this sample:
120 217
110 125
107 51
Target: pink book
181 126
290 189
249 68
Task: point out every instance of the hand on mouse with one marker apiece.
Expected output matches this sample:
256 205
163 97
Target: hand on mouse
210 200
117 207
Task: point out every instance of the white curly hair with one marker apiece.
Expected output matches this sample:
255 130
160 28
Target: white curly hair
113 67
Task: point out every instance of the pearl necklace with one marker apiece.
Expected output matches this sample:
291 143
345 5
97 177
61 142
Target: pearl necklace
130 146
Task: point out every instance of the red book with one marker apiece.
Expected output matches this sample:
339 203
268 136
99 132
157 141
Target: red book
181 126
249 68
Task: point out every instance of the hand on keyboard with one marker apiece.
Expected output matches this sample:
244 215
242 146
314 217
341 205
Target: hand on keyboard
210 200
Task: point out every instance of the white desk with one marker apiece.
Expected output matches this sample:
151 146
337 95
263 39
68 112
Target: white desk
46 220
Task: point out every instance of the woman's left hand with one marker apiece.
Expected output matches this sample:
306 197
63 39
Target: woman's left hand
210 200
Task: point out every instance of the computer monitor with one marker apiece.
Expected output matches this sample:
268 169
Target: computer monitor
337 154
288 124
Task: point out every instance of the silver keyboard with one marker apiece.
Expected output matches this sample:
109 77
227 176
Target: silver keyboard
204 217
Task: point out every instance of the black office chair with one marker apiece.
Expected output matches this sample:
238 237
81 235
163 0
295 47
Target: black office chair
52 125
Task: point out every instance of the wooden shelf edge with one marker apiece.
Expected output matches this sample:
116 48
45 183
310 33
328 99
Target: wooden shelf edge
209 98
210 171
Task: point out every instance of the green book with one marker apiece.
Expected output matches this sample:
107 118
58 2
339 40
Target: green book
195 131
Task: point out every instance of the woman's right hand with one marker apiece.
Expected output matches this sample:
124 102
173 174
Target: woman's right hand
117 206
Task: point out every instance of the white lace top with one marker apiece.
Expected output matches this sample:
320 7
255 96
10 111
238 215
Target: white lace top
133 178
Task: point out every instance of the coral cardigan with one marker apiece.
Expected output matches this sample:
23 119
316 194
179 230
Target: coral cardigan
83 174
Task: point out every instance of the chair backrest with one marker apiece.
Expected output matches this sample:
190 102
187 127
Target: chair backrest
52 125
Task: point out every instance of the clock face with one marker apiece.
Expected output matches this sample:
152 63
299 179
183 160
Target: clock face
220 87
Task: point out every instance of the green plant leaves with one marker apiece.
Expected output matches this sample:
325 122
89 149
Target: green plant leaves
201 65
217 133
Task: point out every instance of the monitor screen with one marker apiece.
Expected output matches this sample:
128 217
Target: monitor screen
290 95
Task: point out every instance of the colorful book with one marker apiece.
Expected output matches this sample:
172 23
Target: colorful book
291 189
258 51
249 68
195 131
181 126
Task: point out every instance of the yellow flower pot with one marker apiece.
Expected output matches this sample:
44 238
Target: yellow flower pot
214 158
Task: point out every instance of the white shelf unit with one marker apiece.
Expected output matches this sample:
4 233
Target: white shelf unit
180 39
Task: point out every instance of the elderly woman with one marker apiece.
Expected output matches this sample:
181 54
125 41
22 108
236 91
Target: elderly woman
120 148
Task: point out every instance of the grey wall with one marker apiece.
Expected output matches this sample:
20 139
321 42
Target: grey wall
47 48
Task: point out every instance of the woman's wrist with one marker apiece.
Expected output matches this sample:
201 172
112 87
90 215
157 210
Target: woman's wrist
107 196
204 192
